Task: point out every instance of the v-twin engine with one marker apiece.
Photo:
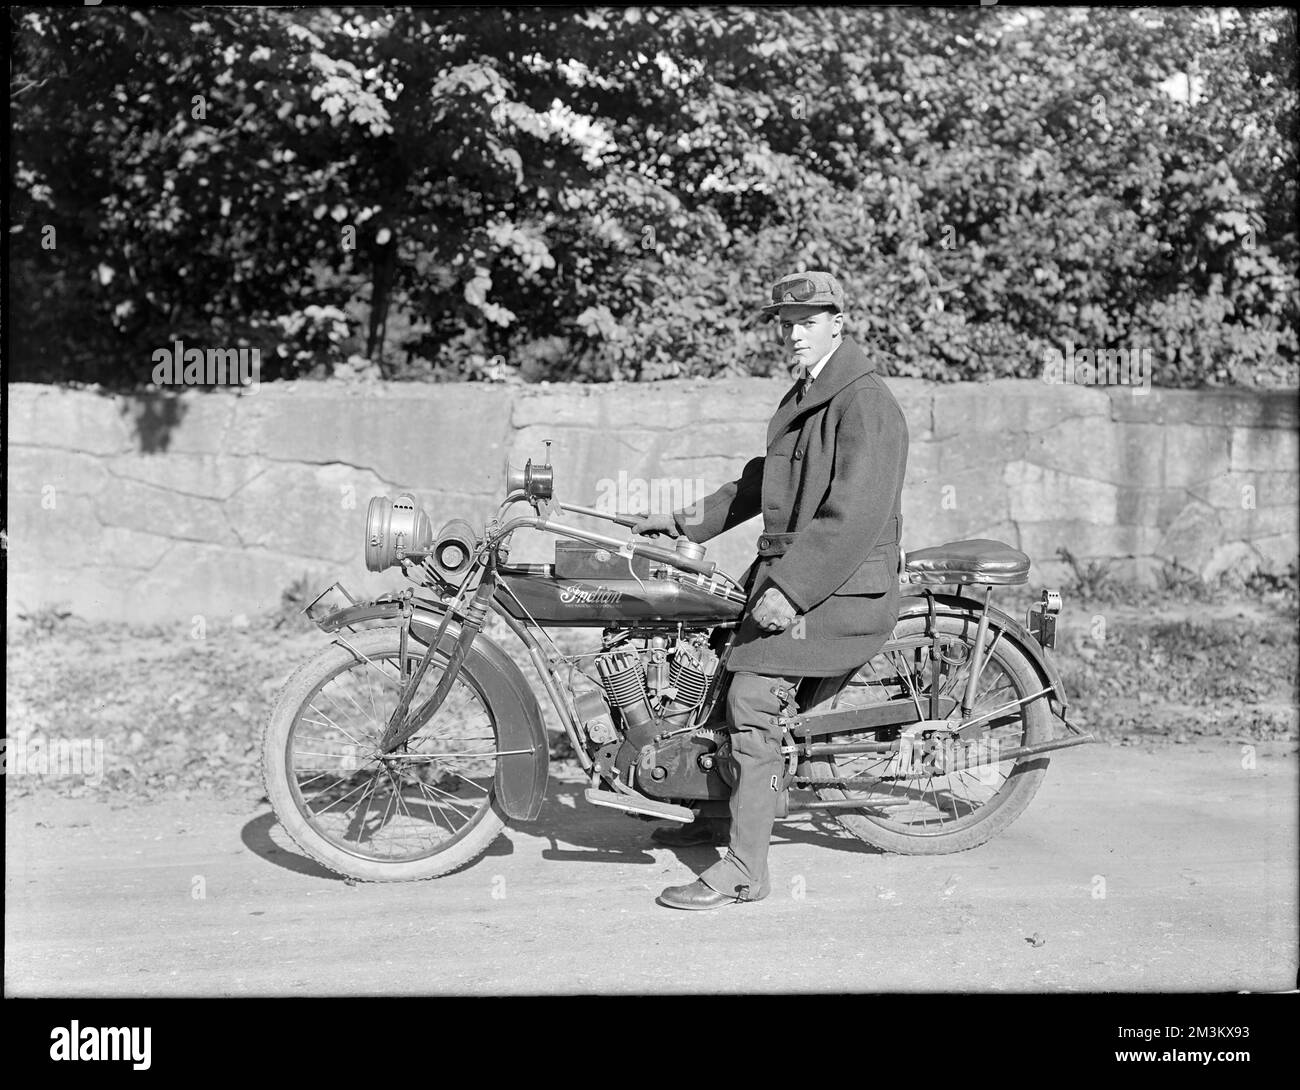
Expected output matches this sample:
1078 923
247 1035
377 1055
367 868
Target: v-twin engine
655 689
658 688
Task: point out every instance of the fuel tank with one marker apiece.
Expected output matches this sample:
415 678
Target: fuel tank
579 603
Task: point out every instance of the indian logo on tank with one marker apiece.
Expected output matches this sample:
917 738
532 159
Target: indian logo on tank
589 595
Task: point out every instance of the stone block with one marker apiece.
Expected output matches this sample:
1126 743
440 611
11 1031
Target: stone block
188 422
916 398
214 476
1194 454
712 471
1046 495
929 533
730 440
445 506
1012 405
315 512
1244 492
80 420
1264 521
1263 450
1217 408
957 505
448 436
1122 454
688 404
178 515
979 449
922 464
40 537
1141 506
119 547
33 469
555 407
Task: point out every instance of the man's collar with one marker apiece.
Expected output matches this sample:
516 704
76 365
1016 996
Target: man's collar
847 364
816 367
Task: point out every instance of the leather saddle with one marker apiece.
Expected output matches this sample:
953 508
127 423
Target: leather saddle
977 560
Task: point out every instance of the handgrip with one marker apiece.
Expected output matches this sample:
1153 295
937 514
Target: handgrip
664 556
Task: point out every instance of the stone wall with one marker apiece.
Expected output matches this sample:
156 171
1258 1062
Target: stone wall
170 505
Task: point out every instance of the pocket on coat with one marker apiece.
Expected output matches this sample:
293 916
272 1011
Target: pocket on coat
875 576
847 615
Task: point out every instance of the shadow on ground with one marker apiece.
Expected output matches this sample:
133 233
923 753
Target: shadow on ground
576 832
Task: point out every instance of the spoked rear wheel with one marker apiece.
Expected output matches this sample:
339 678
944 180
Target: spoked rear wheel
956 802
424 810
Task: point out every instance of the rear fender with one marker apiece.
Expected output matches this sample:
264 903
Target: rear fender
520 777
953 605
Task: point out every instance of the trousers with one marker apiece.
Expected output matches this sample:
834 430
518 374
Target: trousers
753 706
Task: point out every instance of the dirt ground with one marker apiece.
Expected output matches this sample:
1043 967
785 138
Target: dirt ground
1132 870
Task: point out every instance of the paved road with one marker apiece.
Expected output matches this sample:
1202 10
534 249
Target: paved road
1131 870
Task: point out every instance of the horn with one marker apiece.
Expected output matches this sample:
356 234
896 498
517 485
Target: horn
453 551
515 477
536 482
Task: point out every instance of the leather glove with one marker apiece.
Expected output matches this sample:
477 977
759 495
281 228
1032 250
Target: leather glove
774 611
651 525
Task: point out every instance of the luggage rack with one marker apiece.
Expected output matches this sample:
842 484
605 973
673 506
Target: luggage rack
979 561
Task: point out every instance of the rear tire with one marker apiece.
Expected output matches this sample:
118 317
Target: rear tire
963 809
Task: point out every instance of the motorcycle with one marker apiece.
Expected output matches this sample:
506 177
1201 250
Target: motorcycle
406 745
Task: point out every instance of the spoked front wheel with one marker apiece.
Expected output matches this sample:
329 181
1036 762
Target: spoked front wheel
930 794
419 812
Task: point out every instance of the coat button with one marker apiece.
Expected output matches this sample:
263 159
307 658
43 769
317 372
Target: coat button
763 543
797 455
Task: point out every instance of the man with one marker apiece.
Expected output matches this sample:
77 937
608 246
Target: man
823 592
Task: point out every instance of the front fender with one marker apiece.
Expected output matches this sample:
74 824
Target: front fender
914 605
520 777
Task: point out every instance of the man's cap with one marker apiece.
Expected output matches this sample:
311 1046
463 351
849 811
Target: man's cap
811 289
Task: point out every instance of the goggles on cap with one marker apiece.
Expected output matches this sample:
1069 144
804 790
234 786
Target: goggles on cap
794 291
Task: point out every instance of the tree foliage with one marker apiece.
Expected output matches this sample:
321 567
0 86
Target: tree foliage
524 194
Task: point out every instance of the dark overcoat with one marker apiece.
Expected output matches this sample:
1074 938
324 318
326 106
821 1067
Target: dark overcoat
832 477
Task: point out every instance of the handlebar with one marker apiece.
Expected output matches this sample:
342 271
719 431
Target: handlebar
623 520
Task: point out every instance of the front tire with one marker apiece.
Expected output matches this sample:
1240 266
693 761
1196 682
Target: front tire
423 811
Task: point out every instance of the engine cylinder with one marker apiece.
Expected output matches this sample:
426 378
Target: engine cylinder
689 675
622 674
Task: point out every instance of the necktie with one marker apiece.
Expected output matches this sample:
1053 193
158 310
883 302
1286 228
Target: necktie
802 377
